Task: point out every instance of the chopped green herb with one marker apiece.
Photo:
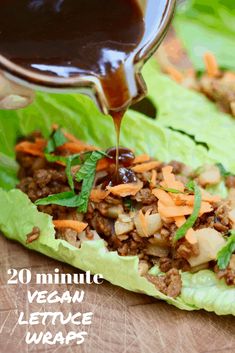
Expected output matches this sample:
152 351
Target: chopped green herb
191 219
224 173
225 254
52 159
57 139
190 185
86 174
70 161
67 199
173 191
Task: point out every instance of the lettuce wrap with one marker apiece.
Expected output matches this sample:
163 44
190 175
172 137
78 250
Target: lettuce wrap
179 132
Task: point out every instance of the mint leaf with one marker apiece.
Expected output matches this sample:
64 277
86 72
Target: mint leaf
86 174
67 199
180 233
224 255
69 162
57 139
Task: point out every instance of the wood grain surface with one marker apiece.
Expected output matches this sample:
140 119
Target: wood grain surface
123 322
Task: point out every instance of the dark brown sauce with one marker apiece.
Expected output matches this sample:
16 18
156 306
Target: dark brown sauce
65 38
123 174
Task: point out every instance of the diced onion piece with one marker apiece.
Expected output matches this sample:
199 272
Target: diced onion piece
143 268
83 237
158 239
123 227
115 211
156 250
153 224
210 175
210 243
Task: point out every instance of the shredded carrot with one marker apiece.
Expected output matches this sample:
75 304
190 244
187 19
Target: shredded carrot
145 167
124 190
175 211
76 147
33 148
98 195
179 221
143 223
189 199
141 159
211 64
175 74
75 225
102 164
190 237
164 197
153 180
169 180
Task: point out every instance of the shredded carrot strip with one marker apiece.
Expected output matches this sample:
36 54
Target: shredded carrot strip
76 147
211 64
164 197
33 148
175 211
153 180
102 164
169 180
124 190
190 237
98 195
141 159
143 222
179 221
175 74
189 199
145 167
75 225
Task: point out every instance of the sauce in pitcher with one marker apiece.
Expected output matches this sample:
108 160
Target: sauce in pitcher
64 38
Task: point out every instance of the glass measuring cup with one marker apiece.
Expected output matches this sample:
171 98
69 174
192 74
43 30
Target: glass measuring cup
157 14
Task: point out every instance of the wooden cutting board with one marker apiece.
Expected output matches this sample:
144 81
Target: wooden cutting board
123 322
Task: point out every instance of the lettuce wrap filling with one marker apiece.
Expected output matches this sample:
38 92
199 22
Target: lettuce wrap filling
161 233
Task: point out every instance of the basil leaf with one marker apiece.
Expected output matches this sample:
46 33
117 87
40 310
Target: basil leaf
173 191
190 185
67 199
224 255
69 161
86 174
191 219
224 173
52 159
57 139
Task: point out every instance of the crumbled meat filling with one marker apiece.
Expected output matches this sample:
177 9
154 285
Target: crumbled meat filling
39 178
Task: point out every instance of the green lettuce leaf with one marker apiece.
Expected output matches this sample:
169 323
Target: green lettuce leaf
200 291
180 132
207 26
192 114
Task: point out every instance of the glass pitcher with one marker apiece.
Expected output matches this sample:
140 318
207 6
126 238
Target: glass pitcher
17 83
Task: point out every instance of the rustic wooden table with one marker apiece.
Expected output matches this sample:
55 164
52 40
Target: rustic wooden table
123 322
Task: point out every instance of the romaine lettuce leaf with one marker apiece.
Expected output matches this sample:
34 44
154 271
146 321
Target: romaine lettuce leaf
177 108
193 114
207 26
200 291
